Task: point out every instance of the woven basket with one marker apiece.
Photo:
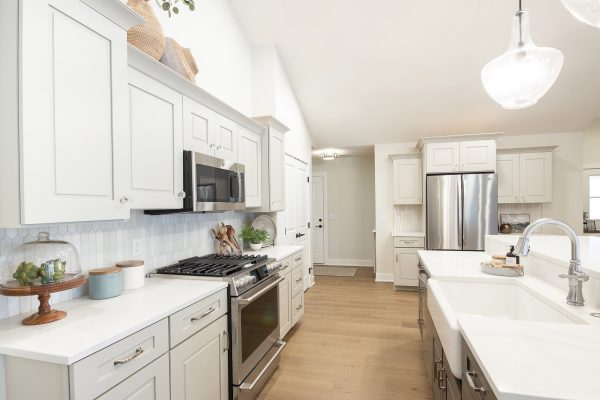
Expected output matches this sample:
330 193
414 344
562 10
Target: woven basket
179 59
149 36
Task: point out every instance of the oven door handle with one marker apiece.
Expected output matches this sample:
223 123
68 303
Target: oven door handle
249 386
248 300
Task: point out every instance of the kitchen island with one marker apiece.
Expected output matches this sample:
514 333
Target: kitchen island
523 355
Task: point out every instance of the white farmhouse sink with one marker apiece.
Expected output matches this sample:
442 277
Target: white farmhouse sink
498 299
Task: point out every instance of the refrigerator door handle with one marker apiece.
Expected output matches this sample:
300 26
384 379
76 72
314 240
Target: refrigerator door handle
461 206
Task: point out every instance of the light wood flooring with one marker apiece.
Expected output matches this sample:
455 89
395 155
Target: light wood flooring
358 340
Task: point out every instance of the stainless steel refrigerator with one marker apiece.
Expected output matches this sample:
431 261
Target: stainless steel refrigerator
461 210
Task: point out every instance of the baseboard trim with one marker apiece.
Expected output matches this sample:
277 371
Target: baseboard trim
350 262
381 277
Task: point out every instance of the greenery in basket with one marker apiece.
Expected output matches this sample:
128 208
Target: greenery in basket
171 5
256 236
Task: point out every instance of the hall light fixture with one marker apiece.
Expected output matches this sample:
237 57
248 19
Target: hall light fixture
329 156
525 72
587 11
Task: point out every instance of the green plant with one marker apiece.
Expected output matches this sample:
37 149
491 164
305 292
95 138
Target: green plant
171 5
252 235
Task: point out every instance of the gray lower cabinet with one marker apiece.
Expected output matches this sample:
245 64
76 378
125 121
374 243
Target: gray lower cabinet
199 365
474 384
150 383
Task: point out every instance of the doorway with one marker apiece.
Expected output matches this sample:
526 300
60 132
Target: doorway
319 211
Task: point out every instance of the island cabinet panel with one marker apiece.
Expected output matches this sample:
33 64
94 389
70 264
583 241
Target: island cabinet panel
199 366
73 129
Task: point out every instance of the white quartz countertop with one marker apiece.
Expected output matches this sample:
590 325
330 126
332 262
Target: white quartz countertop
413 234
524 360
92 325
277 252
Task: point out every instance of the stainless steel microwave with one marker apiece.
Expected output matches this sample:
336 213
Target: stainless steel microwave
210 185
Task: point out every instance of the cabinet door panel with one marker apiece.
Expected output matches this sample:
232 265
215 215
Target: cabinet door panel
198 127
536 177
478 155
73 130
199 366
150 383
297 307
156 143
285 305
250 155
442 157
226 139
277 170
507 167
408 181
406 268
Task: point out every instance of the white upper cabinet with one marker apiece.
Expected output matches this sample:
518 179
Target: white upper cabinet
478 155
525 177
276 170
460 156
249 154
443 157
207 132
156 144
73 113
408 181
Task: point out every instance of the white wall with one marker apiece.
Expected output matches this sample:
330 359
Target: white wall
567 185
274 95
220 48
351 199
591 145
384 206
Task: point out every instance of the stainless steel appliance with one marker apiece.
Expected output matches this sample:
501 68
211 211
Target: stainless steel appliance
254 315
461 210
210 184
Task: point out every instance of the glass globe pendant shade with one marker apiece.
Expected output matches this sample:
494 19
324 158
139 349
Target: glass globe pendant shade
525 72
587 11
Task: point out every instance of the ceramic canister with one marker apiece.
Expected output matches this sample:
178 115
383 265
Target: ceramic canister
105 283
134 274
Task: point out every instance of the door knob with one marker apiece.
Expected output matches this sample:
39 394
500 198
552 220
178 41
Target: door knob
124 200
319 226
299 235
320 220
181 195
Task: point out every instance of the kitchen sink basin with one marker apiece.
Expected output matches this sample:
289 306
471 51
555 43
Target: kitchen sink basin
508 300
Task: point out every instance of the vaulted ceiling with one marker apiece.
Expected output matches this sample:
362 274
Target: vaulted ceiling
381 71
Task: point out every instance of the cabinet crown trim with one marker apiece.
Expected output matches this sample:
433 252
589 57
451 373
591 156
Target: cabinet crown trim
406 156
269 120
165 75
117 12
457 138
518 150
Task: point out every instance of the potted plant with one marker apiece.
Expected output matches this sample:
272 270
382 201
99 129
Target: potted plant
256 237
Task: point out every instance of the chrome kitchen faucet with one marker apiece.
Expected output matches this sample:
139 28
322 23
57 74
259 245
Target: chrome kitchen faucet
576 275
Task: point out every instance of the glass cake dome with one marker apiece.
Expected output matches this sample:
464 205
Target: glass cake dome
41 262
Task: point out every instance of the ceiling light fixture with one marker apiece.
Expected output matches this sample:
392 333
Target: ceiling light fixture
587 11
329 156
525 72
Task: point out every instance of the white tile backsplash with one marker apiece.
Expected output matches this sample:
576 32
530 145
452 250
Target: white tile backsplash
165 238
408 218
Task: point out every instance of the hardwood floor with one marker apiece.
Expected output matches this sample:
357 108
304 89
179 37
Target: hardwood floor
358 340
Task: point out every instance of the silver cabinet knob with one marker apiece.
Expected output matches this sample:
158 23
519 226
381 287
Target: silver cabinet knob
181 195
219 147
124 200
212 145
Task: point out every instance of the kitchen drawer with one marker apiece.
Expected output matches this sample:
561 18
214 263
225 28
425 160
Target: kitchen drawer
286 266
104 369
297 281
474 384
406 241
297 307
192 319
297 259
150 383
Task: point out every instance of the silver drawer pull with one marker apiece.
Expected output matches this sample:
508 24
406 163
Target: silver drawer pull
298 280
470 375
299 307
138 352
207 312
226 340
298 259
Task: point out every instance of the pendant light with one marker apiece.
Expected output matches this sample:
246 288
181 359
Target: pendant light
329 156
587 11
525 72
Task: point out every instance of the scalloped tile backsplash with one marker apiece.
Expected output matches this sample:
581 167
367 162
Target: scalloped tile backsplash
165 238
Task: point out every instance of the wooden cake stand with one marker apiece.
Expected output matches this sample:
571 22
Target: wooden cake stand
45 314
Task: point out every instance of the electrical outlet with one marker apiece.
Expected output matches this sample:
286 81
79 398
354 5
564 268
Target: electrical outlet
137 248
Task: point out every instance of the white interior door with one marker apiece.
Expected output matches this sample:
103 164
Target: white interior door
318 219
291 200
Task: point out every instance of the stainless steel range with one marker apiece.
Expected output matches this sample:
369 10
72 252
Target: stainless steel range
254 314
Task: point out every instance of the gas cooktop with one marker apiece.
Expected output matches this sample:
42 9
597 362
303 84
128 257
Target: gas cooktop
212 265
